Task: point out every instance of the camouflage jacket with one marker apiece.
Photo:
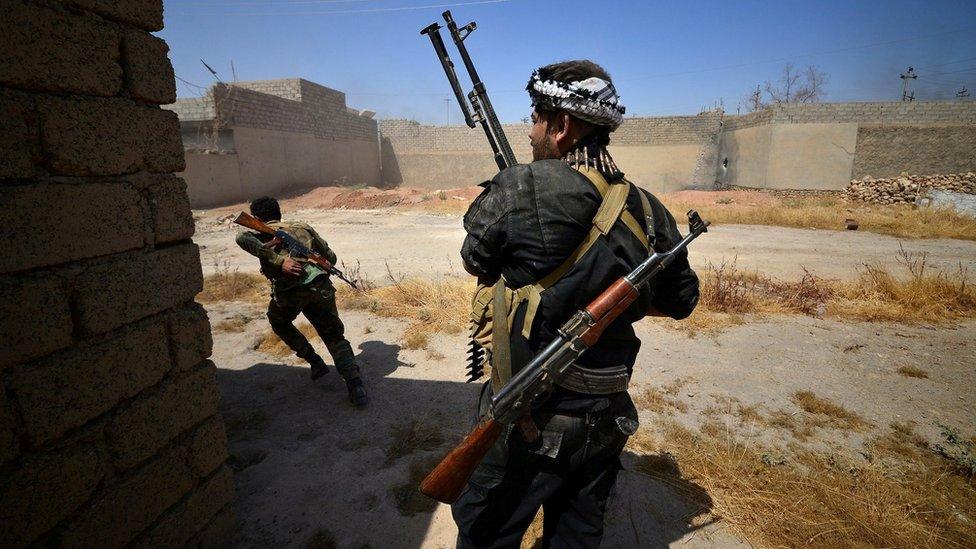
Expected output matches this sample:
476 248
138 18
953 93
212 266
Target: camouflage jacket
271 259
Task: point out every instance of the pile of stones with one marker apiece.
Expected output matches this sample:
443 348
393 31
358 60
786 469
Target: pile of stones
906 189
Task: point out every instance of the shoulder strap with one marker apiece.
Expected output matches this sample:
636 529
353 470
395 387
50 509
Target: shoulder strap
650 238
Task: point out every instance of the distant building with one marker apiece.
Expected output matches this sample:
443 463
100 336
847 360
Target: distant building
247 139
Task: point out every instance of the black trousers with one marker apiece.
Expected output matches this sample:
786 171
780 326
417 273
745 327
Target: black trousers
569 472
317 302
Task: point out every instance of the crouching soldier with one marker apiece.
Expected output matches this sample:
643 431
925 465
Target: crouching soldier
301 287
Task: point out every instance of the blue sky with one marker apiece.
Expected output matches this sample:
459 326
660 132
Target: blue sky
665 57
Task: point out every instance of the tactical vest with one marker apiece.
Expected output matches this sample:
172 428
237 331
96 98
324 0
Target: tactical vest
493 307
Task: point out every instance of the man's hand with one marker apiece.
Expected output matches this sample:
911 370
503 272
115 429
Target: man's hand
291 267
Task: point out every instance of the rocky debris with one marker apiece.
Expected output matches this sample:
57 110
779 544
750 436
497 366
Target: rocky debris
907 189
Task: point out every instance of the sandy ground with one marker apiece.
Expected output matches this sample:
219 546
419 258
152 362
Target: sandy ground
420 244
311 468
309 463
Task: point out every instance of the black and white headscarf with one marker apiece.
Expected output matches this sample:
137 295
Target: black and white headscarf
594 100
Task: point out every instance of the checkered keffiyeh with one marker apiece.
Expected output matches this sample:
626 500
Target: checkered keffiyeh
594 100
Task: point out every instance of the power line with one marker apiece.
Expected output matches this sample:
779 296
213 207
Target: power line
364 10
188 83
810 54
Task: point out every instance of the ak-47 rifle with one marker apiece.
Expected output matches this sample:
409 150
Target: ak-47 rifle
481 111
294 247
577 335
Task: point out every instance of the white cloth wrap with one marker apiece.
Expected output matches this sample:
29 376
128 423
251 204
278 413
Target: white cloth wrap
594 100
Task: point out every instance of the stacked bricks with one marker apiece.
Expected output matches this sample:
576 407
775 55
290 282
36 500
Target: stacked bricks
943 113
109 433
908 188
408 136
290 105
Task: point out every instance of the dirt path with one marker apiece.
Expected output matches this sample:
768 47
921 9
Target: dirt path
309 466
418 244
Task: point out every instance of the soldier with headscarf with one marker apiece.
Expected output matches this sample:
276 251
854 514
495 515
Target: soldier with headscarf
545 239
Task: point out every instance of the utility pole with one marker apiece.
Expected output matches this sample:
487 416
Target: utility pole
447 104
963 93
905 77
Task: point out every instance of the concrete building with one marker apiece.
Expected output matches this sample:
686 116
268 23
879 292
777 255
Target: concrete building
252 138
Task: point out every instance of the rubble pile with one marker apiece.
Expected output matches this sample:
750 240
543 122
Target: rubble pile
906 189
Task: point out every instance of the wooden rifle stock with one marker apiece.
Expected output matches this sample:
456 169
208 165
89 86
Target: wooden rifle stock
446 481
247 220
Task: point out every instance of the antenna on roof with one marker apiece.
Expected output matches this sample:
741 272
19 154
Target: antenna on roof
213 72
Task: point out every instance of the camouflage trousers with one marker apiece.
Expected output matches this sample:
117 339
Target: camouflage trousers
317 302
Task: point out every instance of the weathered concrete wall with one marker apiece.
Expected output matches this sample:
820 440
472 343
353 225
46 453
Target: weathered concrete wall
109 433
884 151
660 153
283 134
217 179
824 146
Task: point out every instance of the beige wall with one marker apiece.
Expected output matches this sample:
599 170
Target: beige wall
789 156
884 151
658 169
212 179
270 161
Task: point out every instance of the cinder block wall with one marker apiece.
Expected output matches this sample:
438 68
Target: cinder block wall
825 145
659 153
109 433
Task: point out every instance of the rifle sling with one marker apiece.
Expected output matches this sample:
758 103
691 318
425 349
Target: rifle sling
505 301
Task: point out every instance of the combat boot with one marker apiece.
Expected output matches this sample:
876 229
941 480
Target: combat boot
357 392
319 368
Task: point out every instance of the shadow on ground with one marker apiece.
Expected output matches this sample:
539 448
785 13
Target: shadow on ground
311 471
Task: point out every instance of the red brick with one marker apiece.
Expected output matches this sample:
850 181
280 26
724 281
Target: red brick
34 318
44 491
140 429
91 136
190 336
124 510
54 50
19 146
149 75
69 222
145 14
136 285
208 447
67 390
193 515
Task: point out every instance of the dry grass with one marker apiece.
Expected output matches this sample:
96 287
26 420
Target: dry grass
801 498
654 400
913 371
235 324
432 305
836 415
407 496
231 285
824 212
271 344
916 294
413 436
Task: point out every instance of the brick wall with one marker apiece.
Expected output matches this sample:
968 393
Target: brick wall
885 151
109 432
411 136
897 113
292 105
